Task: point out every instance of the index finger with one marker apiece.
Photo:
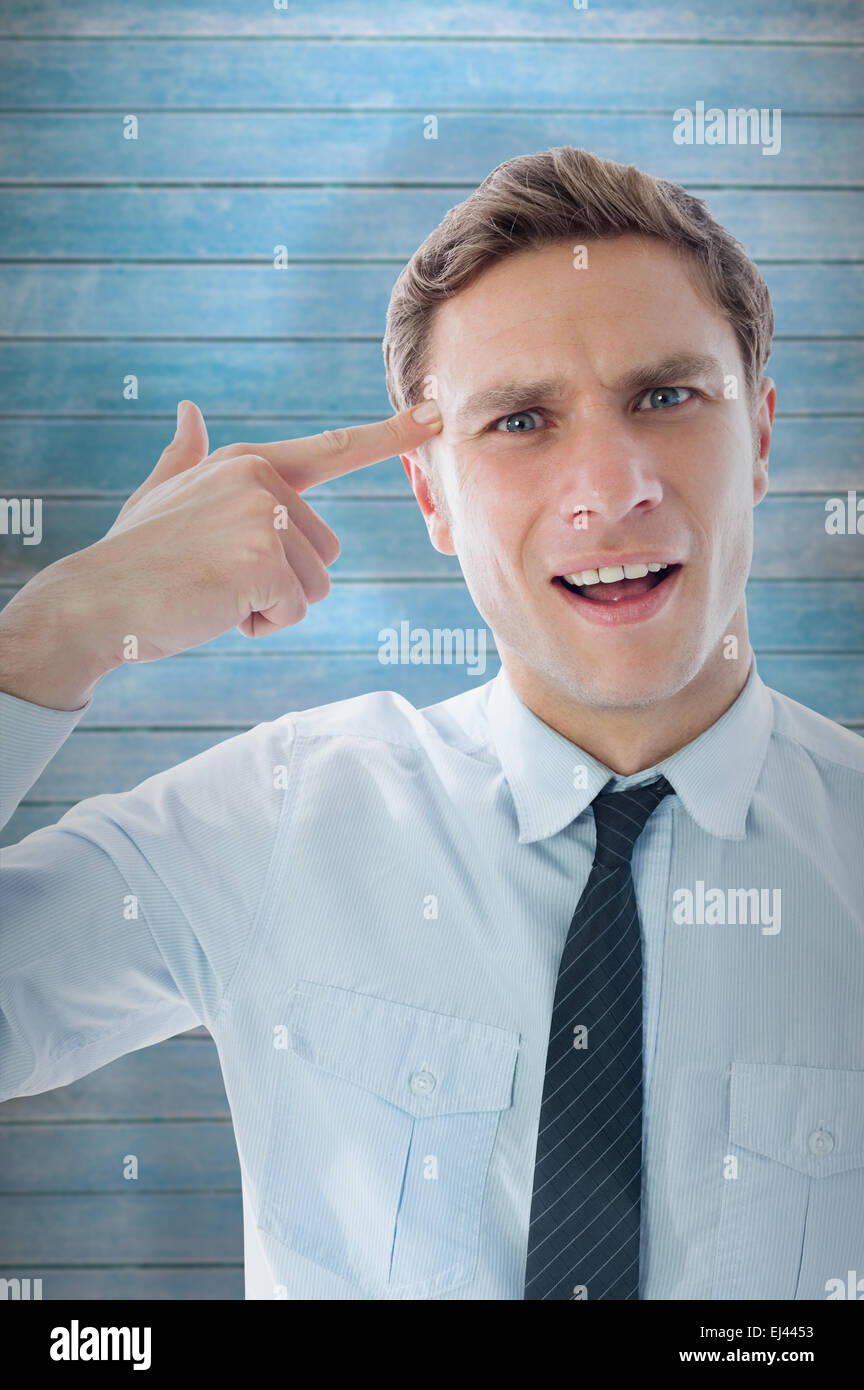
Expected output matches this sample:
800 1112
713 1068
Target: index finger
316 458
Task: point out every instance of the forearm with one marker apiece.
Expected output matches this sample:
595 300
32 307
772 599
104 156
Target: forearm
51 646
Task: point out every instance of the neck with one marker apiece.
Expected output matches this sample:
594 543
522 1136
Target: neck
631 740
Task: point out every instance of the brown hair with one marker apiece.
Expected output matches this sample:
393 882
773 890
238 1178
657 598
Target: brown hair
536 199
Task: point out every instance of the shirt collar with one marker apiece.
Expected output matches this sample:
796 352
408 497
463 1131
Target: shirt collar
553 781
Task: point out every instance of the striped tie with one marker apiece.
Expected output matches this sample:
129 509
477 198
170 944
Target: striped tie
583 1240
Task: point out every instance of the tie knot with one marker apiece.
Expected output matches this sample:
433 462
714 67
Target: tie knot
620 818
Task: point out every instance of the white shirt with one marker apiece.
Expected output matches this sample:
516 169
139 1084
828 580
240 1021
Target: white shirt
366 903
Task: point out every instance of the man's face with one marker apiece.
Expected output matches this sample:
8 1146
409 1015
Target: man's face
653 463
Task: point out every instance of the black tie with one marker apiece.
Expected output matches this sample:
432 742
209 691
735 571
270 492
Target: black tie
583 1241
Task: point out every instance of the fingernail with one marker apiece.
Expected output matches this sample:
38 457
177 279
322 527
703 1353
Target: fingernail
181 411
426 412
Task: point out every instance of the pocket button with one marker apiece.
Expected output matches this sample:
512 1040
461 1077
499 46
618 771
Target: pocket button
423 1083
821 1142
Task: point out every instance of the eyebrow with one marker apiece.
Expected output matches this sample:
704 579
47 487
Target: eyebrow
672 371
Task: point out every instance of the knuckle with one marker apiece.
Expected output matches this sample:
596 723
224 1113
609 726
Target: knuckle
332 548
264 507
260 544
393 429
231 451
297 602
338 440
252 467
319 586
267 549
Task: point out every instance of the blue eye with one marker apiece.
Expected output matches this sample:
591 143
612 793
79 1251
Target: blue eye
519 415
664 396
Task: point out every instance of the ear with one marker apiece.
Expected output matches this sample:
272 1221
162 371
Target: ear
762 426
437 526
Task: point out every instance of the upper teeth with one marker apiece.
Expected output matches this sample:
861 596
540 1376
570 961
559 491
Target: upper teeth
612 573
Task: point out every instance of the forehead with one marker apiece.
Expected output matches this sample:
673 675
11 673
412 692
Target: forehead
637 299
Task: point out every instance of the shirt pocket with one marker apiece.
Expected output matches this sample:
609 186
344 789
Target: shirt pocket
384 1121
792 1221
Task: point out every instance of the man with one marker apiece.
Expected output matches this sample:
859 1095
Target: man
552 990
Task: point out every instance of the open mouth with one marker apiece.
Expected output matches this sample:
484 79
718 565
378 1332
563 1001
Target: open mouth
619 590
610 601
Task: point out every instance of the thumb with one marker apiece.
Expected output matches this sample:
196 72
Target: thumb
190 443
189 446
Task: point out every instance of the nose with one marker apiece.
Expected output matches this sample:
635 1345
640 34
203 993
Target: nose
607 474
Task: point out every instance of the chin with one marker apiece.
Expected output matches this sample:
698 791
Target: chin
639 683
635 693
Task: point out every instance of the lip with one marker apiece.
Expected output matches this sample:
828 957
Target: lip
626 610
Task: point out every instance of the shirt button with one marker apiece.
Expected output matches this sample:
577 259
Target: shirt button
422 1083
821 1142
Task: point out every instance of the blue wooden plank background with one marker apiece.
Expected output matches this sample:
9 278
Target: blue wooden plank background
303 128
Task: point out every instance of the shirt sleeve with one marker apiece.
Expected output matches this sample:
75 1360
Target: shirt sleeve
123 923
